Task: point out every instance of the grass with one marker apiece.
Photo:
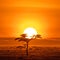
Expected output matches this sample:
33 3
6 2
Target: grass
35 53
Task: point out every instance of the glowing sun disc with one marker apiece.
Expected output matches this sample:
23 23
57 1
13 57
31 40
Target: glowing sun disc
30 32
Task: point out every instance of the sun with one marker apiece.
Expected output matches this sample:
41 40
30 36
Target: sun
30 32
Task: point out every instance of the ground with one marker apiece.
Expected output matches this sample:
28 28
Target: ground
35 53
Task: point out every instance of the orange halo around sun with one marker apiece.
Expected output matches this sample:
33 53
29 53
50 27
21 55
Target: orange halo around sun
30 32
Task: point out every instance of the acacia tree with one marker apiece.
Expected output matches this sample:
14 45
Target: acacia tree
23 38
38 36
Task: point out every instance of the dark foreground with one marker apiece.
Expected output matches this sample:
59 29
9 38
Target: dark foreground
35 53
29 58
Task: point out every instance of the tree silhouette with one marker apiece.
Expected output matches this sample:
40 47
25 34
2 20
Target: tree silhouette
23 37
38 36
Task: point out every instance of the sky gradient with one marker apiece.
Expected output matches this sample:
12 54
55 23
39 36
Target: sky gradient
42 15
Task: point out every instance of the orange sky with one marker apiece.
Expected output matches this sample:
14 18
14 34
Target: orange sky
17 15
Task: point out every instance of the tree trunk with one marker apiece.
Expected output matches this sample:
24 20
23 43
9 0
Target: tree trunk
27 49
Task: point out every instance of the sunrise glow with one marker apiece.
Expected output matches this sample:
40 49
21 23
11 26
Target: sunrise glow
30 32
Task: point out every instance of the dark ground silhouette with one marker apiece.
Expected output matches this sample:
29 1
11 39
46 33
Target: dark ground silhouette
34 53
